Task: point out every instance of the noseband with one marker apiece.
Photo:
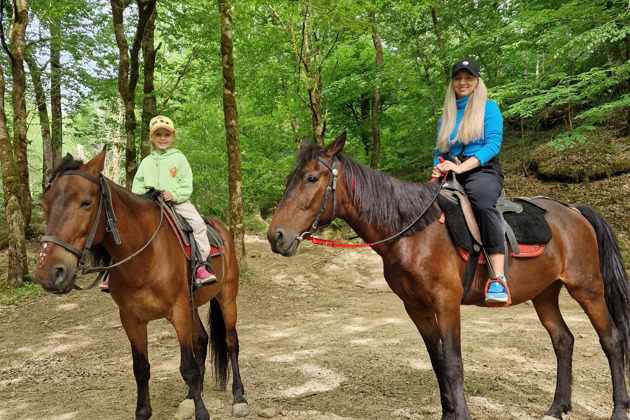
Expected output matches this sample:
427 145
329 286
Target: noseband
104 201
332 187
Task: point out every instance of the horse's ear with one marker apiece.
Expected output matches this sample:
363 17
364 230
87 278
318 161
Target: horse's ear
336 146
304 144
98 162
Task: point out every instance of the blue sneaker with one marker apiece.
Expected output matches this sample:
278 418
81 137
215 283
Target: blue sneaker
496 292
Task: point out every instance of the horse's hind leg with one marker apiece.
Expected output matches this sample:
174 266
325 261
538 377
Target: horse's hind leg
137 333
188 336
592 301
546 305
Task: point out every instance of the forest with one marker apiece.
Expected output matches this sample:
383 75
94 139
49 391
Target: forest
245 81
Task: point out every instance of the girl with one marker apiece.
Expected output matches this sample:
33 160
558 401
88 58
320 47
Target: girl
167 169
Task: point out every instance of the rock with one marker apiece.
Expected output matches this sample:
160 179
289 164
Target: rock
185 411
267 413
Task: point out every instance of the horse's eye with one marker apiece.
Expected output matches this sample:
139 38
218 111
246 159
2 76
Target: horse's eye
311 179
86 203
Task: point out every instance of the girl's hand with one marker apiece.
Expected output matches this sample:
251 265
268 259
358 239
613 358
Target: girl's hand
167 195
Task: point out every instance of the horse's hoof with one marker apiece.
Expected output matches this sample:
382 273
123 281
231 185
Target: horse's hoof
240 410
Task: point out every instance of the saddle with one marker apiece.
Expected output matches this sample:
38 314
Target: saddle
185 235
186 239
526 230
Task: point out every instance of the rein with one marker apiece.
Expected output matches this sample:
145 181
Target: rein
339 243
104 201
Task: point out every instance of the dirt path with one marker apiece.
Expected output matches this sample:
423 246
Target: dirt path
322 337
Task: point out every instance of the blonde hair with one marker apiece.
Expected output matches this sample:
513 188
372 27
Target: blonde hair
471 126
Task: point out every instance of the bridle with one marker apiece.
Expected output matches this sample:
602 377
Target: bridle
110 227
332 187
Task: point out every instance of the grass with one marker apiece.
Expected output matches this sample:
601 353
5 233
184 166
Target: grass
12 296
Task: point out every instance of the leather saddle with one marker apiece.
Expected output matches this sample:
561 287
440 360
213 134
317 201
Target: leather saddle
523 222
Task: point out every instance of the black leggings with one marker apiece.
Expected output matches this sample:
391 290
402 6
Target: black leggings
483 186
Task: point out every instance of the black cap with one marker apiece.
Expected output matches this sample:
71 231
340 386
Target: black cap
469 65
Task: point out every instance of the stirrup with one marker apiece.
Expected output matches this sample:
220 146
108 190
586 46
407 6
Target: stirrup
507 291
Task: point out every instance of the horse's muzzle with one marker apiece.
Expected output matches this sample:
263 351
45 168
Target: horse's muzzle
283 241
58 279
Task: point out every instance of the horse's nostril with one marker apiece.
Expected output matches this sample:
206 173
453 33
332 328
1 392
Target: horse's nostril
279 235
59 273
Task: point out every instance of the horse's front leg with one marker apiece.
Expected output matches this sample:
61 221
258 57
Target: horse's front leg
137 334
425 321
449 325
189 341
445 353
200 350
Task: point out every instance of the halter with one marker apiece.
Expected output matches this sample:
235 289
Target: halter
332 187
104 201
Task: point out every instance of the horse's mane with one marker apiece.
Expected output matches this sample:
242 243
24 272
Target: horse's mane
382 199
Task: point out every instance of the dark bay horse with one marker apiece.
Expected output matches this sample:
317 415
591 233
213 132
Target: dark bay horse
151 285
423 267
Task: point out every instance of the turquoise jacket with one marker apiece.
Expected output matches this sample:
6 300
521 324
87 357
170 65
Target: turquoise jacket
486 146
165 170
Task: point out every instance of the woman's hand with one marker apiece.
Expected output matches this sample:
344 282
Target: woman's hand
447 166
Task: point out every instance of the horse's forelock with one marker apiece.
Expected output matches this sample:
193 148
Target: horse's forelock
68 163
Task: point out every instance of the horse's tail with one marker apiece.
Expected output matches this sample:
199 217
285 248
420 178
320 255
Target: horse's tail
218 346
614 274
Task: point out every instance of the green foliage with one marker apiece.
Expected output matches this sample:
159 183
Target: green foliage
575 54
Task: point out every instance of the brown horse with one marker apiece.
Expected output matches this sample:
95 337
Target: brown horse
423 267
150 285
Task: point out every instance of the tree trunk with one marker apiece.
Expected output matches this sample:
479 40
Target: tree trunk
376 129
149 107
17 35
17 269
230 113
117 141
44 120
128 72
56 116
366 137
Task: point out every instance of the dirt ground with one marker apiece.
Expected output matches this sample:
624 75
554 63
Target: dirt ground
321 337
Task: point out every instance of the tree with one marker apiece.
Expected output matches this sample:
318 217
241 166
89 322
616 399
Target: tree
376 129
230 112
128 72
17 45
12 192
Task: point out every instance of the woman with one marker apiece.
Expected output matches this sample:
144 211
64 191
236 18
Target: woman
469 137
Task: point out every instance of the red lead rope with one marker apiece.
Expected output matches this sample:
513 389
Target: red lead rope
335 243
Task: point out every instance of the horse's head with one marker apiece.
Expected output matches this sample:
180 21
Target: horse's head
305 197
70 203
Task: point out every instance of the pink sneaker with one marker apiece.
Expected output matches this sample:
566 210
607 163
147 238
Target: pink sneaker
105 285
204 276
